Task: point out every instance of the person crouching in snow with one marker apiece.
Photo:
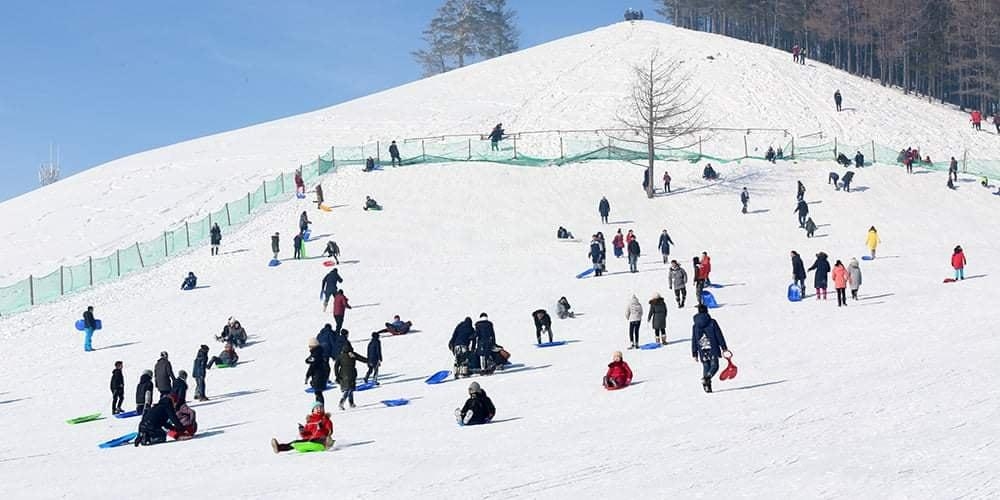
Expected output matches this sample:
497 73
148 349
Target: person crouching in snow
318 429
543 323
153 421
371 204
563 309
190 282
478 408
619 374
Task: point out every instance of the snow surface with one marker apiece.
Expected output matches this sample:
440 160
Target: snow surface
888 398
578 82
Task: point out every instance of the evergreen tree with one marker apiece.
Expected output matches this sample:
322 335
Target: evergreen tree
463 30
498 34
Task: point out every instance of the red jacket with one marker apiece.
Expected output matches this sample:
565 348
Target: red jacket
629 237
340 305
619 241
317 426
706 264
620 372
958 260
977 117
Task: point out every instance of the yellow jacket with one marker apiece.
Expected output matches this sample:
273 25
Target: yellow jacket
873 240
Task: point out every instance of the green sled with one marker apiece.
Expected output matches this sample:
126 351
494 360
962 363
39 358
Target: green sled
308 447
84 419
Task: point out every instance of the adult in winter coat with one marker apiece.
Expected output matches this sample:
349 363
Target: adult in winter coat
798 271
397 161
275 240
346 373
304 222
163 374
811 227
340 306
89 325
486 341
198 371
462 345
633 255
859 159
155 419
664 245
117 389
666 181
332 251
802 208
838 99
604 208
678 279
190 282
297 246
318 373
144 392
872 241
658 318
976 117
706 264
300 185
958 262
330 341
563 309
800 191
596 255
846 181
317 429
953 170
216 238
822 268
618 244
496 135
619 374
707 345
700 277
745 199
180 388
374 358
189 423
319 196
478 409
854 277
633 314
329 286
840 280
543 323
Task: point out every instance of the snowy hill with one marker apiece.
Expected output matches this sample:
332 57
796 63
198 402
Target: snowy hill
577 82
887 398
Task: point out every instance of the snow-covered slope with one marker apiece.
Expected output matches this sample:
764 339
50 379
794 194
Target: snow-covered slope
576 82
890 397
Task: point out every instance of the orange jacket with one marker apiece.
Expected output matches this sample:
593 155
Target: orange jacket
840 276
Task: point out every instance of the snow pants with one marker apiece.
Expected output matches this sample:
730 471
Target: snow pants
199 387
709 366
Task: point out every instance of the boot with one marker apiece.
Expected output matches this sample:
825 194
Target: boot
274 445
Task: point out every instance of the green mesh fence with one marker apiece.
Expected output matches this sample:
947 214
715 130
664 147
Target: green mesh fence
527 150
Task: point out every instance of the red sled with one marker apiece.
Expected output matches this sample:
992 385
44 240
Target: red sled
949 280
328 263
730 372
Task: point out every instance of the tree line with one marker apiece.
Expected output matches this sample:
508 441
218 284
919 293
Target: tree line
948 50
465 31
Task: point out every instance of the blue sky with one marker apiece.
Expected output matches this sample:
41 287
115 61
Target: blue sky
104 79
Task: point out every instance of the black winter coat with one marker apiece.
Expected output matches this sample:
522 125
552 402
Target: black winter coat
798 268
802 208
604 208
319 368
393 151
88 320
330 282
216 235
486 338
142 389
706 338
481 407
117 381
822 268
665 243
346 370
159 416
200 363
657 315
180 390
633 248
274 243
545 320
374 352
330 342
463 335
163 373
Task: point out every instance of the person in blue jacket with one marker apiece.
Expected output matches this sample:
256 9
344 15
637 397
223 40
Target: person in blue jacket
374 358
190 282
604 208
820 278
664 246
596 255
331 343
707 345
89 325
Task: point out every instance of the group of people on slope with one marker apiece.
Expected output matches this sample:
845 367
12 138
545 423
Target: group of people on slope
170 416
475 348
843 277
328 345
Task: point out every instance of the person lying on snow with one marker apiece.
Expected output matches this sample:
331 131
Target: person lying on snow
228 357
190 282
563 234
371 204
318 429
478 408
619 374
154 420
189 424
397 326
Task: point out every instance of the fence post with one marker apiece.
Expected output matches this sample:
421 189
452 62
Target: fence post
139 251
834 147
610 145
793 147
423 152
229 221
873 151
746 148
187 234
562 156
282 184
378 151
333 157
210 220
470 149
31 289
118 260
699 147
264 183
62 286
166 252
514 139
90 262
248 203
965 161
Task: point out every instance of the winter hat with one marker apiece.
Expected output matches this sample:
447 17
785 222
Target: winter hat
483 315
203 347
313 342
344 332
148 372
474 388
183 375
316 405
163 354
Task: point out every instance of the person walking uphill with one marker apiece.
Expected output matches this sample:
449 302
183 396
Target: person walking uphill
318 373
340 306
803 210
216 238
329 286
163 374
958 262
664 246
633 255
854 277
117 389
678 279
798 272
744 199
838 99
822 268
89 325
840 280
604 208
374 358
658 318
633 314
707 345
198 371
346 373
872 241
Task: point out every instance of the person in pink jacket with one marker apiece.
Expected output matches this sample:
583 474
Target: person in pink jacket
840 280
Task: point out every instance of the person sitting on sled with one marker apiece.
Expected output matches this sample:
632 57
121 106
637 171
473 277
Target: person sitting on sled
318 429
190 282
371 204
619 374
189 424
228 357
155 419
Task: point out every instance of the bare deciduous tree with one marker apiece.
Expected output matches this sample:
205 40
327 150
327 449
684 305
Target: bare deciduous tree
662 108
48 173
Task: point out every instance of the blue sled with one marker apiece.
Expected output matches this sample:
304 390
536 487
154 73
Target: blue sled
867 257
79 324
395 402
300 196
716 285
274 263
119 440
306 234
550 344
329 386
584 274
364 386
794 293
127 414
708 299
650 346
438 377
